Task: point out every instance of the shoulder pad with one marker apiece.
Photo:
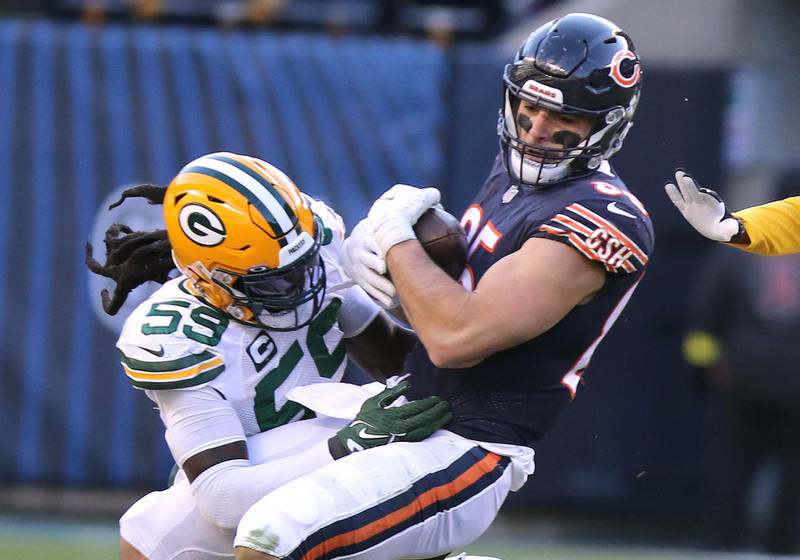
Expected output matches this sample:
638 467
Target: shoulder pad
612 232
332 221
169 343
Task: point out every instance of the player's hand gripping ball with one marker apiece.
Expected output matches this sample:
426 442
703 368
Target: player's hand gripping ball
440 234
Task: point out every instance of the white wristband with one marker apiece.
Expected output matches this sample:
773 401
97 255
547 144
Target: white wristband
357 311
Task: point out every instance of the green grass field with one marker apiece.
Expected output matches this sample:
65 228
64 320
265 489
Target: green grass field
45 539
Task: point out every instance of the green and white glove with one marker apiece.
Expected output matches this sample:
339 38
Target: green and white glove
379 423
703 209
393 215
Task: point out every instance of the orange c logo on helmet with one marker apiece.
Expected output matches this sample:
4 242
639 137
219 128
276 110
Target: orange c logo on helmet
616 69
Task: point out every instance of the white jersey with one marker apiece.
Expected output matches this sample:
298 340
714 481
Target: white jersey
174 341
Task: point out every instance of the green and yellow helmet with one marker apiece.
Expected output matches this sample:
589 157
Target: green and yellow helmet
244 236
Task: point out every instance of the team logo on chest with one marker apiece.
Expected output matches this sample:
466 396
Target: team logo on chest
201 225
509 195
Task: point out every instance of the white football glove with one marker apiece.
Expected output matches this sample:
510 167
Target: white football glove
364 264
394 214
702 208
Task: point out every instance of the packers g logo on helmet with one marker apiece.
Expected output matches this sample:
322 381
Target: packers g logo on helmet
246 239
201 225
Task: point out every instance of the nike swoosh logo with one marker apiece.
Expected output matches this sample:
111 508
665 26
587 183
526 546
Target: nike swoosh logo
612 207
364 434
157 353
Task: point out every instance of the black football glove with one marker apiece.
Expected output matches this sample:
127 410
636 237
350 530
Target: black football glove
378 424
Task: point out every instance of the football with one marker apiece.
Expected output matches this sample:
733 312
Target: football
443 238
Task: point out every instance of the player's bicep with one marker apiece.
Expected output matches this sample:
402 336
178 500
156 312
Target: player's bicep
531 290
202 427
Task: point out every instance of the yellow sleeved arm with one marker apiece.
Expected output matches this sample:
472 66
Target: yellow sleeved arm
773 228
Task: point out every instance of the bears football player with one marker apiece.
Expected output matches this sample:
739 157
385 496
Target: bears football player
558 246
260 309
769 229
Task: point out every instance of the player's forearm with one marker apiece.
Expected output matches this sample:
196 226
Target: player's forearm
381 348
773 228
226 491
437 306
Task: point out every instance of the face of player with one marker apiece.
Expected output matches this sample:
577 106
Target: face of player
549 129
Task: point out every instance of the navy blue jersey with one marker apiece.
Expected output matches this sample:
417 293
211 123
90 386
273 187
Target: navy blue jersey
514 395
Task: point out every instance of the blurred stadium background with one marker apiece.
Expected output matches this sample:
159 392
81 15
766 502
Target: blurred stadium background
348 97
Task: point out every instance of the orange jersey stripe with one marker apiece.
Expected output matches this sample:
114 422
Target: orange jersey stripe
579 244
600 221
573 224
550 229
439 493
576 241
586 250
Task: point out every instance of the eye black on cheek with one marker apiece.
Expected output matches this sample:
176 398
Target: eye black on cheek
524 121
566 138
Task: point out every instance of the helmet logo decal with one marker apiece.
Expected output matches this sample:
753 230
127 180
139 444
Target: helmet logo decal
295 249
537 89
615 69
201 225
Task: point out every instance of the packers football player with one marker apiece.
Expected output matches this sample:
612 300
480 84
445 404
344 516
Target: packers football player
260 310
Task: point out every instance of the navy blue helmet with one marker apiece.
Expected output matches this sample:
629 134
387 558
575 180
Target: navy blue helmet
579 65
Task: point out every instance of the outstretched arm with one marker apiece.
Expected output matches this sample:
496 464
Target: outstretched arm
772 228
704 209
768 229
